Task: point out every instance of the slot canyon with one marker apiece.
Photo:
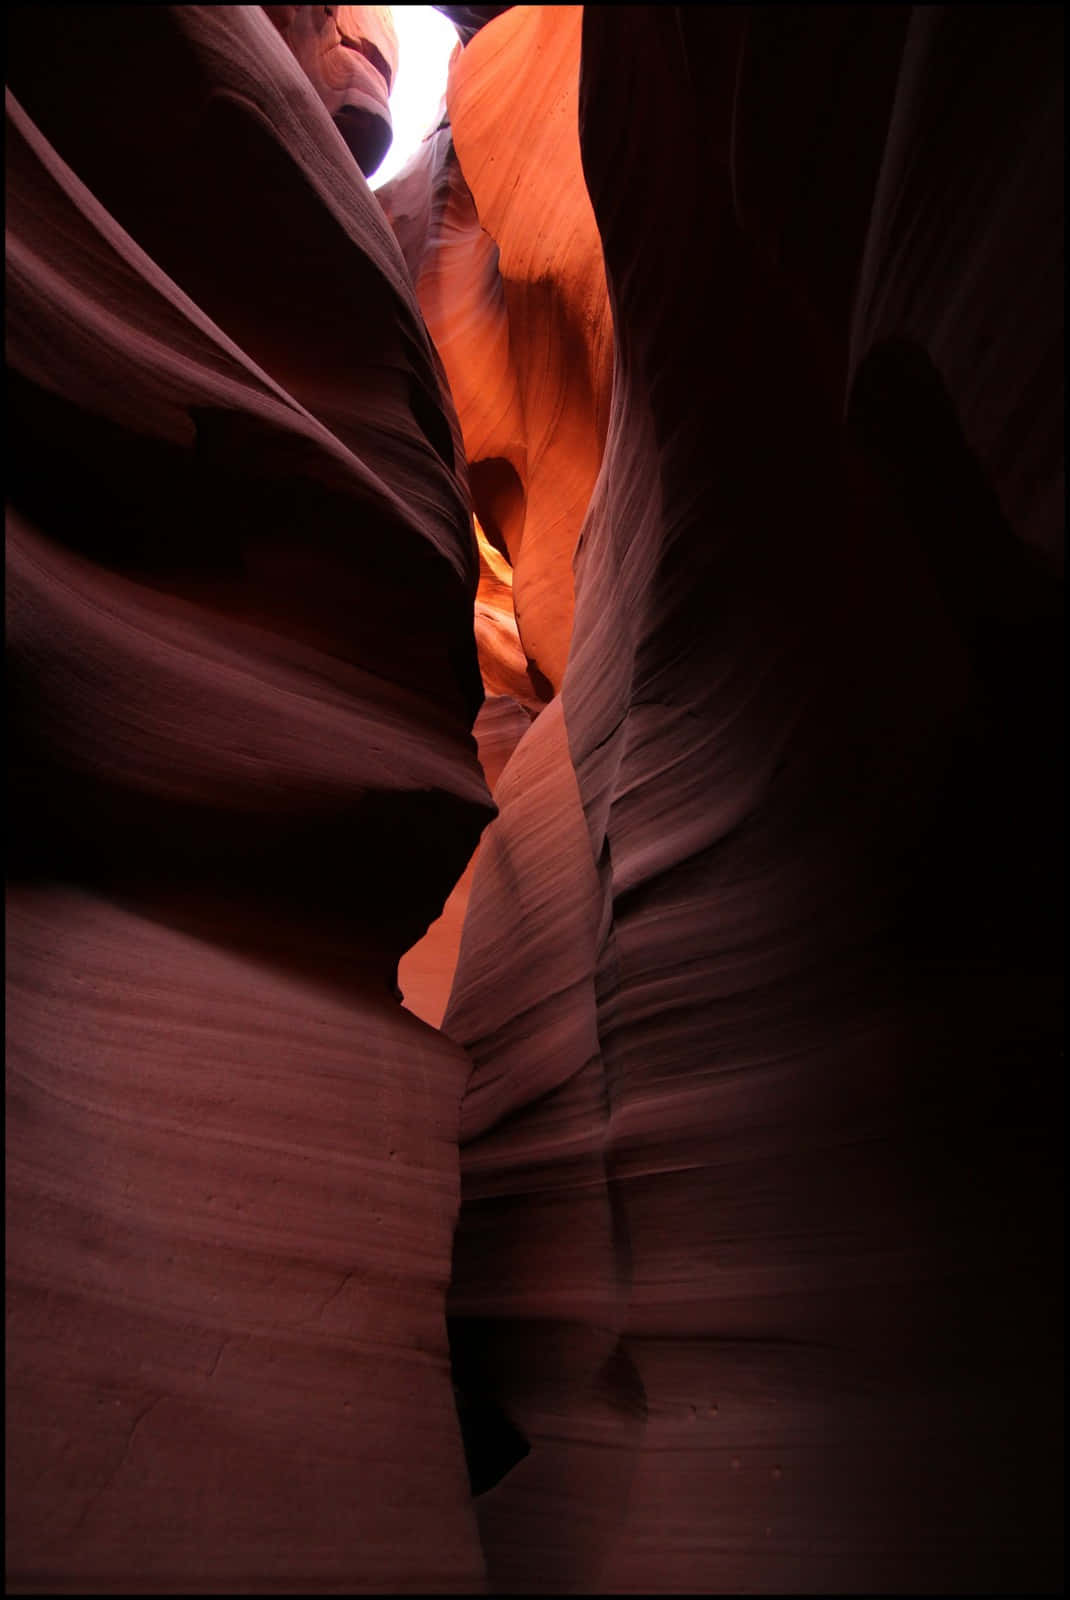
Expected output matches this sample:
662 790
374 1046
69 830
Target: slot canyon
534 903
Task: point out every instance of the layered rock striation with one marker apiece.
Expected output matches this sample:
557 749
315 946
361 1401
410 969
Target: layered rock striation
732 1146
759 1241
242 677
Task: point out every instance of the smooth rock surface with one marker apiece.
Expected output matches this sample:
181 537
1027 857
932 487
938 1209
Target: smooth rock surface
503 245
750 1197
350 56
736 1159
230 1194
426 972
241 574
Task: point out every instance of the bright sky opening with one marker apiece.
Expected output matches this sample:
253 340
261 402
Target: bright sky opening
425 42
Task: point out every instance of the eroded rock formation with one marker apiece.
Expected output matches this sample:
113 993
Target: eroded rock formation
350 56
740 1182
242 670
503 246
746 1102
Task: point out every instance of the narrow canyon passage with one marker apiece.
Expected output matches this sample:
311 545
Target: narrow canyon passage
534 1046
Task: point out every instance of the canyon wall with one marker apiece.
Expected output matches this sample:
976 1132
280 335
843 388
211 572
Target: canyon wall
699 1231
759 1241
242 678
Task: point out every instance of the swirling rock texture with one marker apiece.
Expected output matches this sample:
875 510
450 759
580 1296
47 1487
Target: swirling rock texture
753 1050
350 56
241 574
759 975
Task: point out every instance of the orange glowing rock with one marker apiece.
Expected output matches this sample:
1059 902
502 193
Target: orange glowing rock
511 283
753 1044
501 655
513 106
454 264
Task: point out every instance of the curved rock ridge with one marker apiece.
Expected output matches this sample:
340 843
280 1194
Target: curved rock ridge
747 1190
535 1301
241 576
233 120
426 971
501 655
